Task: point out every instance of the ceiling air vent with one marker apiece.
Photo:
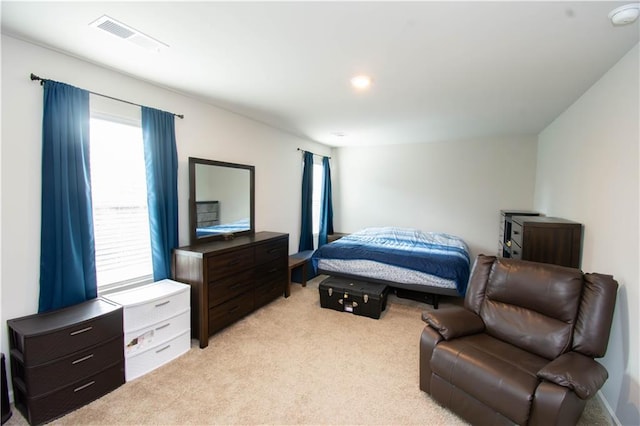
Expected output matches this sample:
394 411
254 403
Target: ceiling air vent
128 33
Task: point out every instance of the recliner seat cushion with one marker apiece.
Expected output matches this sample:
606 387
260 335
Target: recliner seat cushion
494 372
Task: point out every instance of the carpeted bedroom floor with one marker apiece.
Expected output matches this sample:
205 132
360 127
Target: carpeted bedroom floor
290 362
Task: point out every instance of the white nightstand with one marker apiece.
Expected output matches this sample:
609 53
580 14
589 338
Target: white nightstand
156 325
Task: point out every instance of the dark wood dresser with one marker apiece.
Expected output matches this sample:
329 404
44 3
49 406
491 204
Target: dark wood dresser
64 359
504 233
230 279
546 239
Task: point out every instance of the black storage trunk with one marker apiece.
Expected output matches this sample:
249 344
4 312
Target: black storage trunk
358 297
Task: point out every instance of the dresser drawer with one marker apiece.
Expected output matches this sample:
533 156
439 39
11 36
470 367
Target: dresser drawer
271 280
136 341
516 250
149 304
227 288
58 373
273 271
41 348
50 406
229 263
272 250
145 361
156 310
268 291
516 233
230 311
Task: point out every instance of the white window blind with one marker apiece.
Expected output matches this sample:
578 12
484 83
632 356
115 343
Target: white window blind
119 194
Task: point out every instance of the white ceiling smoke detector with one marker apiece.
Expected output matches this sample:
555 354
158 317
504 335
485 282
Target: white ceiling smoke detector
125 32
625 15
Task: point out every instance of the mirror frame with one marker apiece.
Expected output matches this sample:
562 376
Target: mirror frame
192 200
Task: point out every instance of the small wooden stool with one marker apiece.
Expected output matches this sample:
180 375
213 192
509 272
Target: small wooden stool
296 260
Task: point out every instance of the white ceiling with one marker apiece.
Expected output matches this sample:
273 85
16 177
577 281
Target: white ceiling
441 70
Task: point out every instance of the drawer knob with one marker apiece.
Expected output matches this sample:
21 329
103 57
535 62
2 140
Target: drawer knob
84 358
163 326
163 303
84 330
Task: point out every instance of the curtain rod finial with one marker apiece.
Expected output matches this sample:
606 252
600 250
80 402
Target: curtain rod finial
34 77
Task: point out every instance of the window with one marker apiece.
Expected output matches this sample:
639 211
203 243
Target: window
119 193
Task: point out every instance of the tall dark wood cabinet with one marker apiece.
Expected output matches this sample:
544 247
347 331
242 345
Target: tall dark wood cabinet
545 239
63 359
230 279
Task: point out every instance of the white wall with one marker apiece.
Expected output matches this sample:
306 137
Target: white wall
588 172
458 187
205 132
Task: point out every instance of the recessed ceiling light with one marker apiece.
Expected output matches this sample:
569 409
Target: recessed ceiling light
624 15
361 82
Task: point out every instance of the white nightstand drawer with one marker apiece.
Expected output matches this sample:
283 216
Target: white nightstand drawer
145 361
149 304
136 341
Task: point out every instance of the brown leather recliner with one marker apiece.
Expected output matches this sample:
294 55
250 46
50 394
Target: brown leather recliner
522 349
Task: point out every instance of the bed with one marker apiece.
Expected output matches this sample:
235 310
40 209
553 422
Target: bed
416 264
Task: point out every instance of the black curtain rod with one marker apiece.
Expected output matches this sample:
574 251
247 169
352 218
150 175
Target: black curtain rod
42 80
304 150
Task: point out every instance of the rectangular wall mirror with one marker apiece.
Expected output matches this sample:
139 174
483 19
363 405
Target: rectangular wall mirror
221 200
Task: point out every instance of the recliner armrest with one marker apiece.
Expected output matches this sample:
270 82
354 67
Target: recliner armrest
454 322
575 371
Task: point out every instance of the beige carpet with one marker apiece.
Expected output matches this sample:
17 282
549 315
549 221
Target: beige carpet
291 362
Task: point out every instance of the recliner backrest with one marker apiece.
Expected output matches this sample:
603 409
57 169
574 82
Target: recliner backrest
531 305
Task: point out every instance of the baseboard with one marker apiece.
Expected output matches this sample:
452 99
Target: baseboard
607 407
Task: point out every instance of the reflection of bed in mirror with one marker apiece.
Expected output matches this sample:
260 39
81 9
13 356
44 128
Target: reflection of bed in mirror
221 199
208 220
224 229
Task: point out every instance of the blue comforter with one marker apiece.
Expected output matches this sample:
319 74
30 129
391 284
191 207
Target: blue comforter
433 253
225 228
